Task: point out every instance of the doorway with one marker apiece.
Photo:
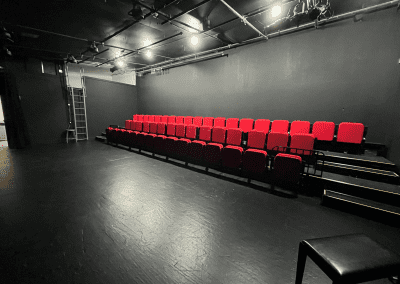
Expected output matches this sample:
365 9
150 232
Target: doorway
3 134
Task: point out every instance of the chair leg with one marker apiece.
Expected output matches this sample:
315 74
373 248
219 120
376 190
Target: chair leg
67 137
301 263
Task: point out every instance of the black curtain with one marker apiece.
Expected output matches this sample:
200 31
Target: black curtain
16 127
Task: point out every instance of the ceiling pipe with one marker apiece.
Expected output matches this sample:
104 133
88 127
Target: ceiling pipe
93 56
341 17
187 11
181 63
244 19
164 39
182 23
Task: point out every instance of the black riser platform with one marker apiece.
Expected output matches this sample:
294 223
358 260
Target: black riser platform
361 172
361 207
370 193
362 162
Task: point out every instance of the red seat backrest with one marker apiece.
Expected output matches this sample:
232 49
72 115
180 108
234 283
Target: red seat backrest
232 123
256 139
153 127
161 128
179 119
198 120
180 130
262 125
219 122
302 141
171 119
171 129
246 124
191 131
205 133
219 135
277 139
350 132
234 136
280 126
299 127
188 120
324 130
208 121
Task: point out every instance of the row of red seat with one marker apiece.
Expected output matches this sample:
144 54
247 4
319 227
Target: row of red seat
322 130
212 145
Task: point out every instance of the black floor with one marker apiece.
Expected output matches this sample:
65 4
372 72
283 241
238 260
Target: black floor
89 212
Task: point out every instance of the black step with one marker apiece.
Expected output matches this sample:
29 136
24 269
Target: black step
101 138
103 134
375 162
361 172
362 207
367 189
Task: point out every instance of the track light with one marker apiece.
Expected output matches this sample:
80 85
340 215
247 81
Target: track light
120 63
148 53
71 59
194 40
276 11
113 69
93 48
147 42
136 12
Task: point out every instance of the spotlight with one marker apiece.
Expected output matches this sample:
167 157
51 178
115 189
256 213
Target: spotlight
148 53
6 36
194 40
115 68
93 48
120 63
155 15
136 12
6 51
276 11
147 42
71 59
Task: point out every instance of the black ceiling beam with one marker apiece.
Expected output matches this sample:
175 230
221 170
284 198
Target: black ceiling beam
184 24
187 11
93 55
164 39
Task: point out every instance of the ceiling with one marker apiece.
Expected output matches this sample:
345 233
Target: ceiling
96 20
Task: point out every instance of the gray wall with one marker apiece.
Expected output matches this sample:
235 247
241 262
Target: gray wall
108 103
342 72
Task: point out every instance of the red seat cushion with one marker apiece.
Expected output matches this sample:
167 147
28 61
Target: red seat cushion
254 160
232 156
212 153
350 132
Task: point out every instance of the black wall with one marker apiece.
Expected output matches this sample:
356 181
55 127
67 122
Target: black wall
341 72
108 103
42 102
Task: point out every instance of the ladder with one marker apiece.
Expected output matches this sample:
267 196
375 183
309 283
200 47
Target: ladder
78 99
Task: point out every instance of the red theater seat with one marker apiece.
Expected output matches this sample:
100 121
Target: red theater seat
159 140
157 118
350 132
212 151
179 119
151 118
128 124
164 119
232 154
219 122
254 161
149 138
146 118
198 120
299 127
183 144
139 117
256 139
196 148
262 125
302 141
232 123
188 120
287 168
246 124
281 126
208 121
277 139
323 130
171 119
170 140
139 126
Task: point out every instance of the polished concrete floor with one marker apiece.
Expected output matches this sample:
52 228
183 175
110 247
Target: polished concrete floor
93 213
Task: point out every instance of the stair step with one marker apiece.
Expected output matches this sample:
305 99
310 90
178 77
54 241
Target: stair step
376 162
366 208
362 172
101 138
367 189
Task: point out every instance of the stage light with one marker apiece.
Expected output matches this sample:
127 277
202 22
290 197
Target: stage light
194 40
93 48
276 11
136 12
148 53
71 59
120 63
147 42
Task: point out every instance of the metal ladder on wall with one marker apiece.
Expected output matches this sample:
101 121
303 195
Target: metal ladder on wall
78 99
